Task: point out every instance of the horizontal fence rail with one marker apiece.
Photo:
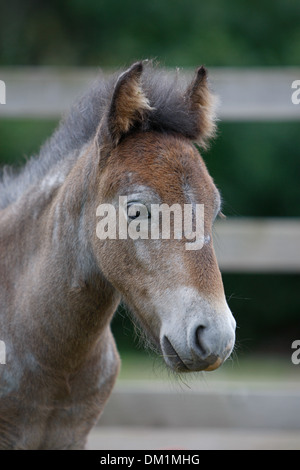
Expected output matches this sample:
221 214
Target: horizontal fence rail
141 405
258 245
244 94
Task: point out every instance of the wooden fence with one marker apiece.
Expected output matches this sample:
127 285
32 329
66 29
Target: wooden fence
245 94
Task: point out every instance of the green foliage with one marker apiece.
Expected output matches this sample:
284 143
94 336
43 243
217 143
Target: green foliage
256 167
177 32
22 138
266 308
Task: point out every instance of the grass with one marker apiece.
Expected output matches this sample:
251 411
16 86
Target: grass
252 368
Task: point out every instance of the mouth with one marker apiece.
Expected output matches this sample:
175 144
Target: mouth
176 363
171 357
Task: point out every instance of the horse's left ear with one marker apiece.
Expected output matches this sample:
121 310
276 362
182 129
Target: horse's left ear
129 105
202 103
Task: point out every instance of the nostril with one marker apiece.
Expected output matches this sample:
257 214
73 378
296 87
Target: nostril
200 342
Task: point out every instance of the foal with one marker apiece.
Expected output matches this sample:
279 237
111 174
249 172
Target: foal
60 283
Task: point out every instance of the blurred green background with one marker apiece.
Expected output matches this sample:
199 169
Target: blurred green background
256 165
178 32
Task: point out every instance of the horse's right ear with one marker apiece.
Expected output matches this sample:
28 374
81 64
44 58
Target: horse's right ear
203 103
129 106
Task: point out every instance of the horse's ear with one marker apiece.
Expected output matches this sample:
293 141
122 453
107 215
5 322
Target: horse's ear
203 103
129 105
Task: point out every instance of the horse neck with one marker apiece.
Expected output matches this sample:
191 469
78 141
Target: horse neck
70 304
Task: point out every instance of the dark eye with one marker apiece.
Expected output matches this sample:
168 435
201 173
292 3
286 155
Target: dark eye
134 216
137 210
